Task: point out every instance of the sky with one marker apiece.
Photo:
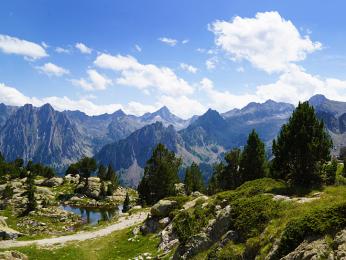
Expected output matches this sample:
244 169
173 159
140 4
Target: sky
135 55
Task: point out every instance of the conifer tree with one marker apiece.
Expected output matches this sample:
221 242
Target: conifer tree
229 177
160 175
126 205
330 172
103 192
301 148
253 161
193 179
344 169
101 173
31 189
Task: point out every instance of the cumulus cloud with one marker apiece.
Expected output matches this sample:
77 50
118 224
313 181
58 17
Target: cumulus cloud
62 50
297 85
144 76
30 50
95 81
188 68
267 41
83 48
211 63
169 41
51 69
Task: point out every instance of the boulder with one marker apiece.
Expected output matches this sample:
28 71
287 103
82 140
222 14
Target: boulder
13 255
7 233
53 182
151 225
74 179
168 239
340 245
162 208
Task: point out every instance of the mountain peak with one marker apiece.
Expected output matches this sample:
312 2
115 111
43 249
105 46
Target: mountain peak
119 113
317 100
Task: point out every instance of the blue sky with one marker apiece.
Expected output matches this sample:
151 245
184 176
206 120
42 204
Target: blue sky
100 56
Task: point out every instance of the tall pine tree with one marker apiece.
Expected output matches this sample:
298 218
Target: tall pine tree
160 175
301 148
193 179
253 161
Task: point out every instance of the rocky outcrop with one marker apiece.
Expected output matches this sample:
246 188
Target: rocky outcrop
53 182
162 208
214 231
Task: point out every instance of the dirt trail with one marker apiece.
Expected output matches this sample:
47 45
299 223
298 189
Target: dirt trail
124 222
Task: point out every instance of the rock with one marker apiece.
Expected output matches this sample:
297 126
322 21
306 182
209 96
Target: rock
137 207
151 225
340 245
39 182
197 194
13 255
71 179
307 250
196 244
168 239
7 233
179 189
136 231
163 208
53 182
193 202
164 222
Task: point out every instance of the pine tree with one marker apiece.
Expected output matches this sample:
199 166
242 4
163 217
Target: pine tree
86 166
126 205
103 192
229 177
301 148
2 159
253 161
193 179
31 189
214 182
110 189
101 173
160 175
112 176
330 172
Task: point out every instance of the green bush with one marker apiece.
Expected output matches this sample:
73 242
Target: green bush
320 221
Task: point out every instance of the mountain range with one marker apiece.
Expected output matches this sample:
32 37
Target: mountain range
56 138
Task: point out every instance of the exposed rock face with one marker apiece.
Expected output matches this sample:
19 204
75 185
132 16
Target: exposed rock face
317 249
162 208
42 135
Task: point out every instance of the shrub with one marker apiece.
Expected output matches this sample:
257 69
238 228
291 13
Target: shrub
320 221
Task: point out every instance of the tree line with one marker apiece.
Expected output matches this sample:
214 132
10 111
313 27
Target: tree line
301 157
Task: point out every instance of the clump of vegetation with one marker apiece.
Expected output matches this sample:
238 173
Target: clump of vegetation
30 186
320 221
126 204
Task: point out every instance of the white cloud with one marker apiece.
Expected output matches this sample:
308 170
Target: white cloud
224 100
188 68
51 69
95 81
168 41
30 50
62 50
138 48
144 76
211 63
83 48
297 85
268 41
136 108
185 41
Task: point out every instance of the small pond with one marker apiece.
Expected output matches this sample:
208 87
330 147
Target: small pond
92 216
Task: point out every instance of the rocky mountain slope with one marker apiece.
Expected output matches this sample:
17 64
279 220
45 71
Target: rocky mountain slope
42 135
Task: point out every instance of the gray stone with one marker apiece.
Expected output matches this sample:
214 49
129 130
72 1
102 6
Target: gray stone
12 255
163 208
310 250
164 222
53 182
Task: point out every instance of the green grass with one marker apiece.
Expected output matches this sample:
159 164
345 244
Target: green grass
114 246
